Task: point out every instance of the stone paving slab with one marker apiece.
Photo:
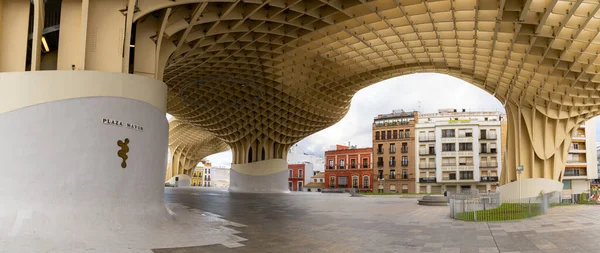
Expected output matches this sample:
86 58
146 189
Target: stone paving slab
316 222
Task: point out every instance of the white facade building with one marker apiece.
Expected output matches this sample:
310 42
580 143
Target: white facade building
581 167
296 157
458 151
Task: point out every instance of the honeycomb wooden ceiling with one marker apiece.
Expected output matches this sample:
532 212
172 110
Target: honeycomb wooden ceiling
284 69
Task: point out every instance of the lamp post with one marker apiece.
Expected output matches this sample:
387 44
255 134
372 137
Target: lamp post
519 171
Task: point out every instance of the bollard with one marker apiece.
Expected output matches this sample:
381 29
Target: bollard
529 212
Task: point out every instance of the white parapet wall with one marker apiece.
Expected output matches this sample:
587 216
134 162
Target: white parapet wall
530 187
268 176
63 147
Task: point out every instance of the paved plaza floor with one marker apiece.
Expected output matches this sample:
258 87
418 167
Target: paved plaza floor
329 222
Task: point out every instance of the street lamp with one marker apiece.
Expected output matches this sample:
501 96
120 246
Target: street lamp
519 171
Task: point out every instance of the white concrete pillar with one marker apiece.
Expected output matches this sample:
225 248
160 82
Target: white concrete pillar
81 148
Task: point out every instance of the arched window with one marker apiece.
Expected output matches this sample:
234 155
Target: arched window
366 181
354 181
262 155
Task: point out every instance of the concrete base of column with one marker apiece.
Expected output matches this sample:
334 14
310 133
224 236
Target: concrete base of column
269 176
530 187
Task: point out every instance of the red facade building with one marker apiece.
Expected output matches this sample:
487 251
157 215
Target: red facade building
349 167
297 174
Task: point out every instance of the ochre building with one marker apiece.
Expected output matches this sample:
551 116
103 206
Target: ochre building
394 151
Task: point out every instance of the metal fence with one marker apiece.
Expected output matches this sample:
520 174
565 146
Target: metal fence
473 206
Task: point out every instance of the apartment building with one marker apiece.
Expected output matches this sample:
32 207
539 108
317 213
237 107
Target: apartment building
298 176
394 151
458 150
348 167
581 166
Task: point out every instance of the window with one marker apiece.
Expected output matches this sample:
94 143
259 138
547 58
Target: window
354 181
404 188
566 184
401 133
315 180
493 148
404 174
392 148
465 161
482 134
466 175
365 181
389 134
469 133
452 176
465 146
405 161
300 184
575 145
407 133
377 135
392 174
573 172
342 165
392 188
342 182
300 173
483 148
448 147
395 134
380 174
404 147
291 174
380 148
353 163
383 135
330 164
289 186
321 180
365 163
332 182
379 161
448 133
392 161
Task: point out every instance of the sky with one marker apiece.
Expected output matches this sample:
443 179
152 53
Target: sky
424 92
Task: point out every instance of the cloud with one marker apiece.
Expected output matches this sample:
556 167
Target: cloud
422 92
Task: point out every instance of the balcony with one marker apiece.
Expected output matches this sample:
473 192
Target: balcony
330 167
579 137
342 167
577 150
404 149
488 137
392 164
488 165
427 166
427 180
379 164
392 176
380 151
365 166
352 166
393 151
404 164
426 138
489 179
574 175
575 162
426 152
